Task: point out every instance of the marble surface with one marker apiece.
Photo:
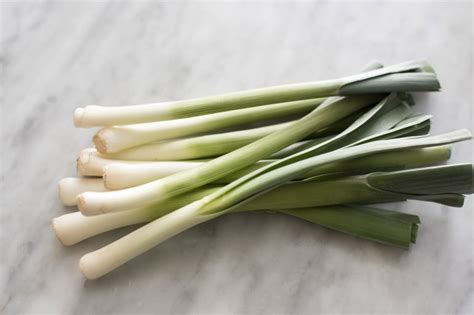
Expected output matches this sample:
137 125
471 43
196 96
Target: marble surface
58 55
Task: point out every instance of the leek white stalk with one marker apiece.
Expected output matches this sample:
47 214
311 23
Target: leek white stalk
99 116
196 147
104 260
70 187
74 227
96 264
117 138
400 77
89 163
91 203
120 176
92 163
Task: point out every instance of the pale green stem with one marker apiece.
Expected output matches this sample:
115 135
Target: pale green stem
117 138
196 147
388 79
120 176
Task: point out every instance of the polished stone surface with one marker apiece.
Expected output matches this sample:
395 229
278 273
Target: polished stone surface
59 55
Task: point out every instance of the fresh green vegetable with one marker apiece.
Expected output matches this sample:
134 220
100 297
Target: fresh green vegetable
388 227
102 202
92 163
121 175
197 147
116 138
70 187
360 142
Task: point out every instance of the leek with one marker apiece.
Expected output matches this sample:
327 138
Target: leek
408 76
92 163
70 187
73 228
117 138
196 147
121 175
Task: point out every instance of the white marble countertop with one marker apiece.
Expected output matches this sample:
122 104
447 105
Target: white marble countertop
59 55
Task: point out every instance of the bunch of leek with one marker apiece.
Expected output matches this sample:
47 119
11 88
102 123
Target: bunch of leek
337 145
